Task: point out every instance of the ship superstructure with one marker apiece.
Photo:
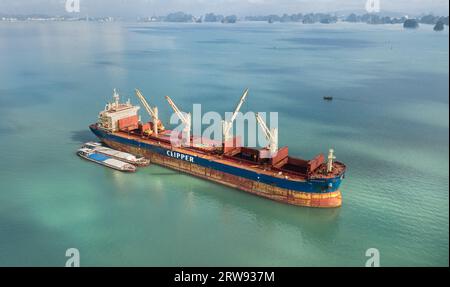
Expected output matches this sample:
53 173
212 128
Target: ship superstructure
118 116
268 172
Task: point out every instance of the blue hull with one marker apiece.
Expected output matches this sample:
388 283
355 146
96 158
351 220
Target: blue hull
309 186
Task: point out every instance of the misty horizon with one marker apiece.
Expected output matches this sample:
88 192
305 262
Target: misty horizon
144 8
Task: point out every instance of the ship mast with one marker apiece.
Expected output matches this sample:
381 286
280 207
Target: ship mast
227 125
271 135
331 157
116 98
153 112
185 119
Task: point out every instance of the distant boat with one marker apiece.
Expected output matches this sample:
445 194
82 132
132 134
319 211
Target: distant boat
328 98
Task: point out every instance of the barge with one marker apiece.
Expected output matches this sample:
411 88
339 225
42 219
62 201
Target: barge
104 160
280 177
119 155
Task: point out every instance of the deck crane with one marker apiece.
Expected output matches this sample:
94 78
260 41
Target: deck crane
153 112
227 125
271 135
185 119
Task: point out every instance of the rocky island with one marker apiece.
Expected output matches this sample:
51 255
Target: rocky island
411 24
439 26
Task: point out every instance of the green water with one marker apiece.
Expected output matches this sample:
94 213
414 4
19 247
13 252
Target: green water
388 122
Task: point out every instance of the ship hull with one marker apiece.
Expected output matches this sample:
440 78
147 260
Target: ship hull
310 193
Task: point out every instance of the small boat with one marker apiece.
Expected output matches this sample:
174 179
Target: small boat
122 156
107 161
328 98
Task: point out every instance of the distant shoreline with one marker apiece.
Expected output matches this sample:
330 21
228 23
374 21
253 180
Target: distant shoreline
181 17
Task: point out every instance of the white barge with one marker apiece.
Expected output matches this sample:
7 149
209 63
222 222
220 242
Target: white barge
122 156
105 160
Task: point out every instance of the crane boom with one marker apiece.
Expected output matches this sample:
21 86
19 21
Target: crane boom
177 110
227 125
263 126
144 103
153 112
239 105
186 119
271 135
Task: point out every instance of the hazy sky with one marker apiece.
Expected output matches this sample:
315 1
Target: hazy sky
132 8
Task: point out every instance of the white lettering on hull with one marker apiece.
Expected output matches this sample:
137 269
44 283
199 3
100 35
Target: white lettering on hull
180 156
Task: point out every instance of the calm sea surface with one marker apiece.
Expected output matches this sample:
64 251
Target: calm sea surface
389 123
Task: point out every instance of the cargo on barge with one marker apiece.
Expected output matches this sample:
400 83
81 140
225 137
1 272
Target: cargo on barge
119 155
104 160
311 183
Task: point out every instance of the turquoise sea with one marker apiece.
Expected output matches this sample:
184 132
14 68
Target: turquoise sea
389 122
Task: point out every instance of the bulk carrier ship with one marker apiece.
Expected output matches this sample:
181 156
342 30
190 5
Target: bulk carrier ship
280 177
